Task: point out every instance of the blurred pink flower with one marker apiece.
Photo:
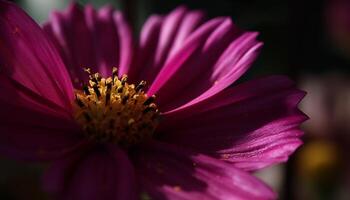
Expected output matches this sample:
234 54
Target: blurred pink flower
108 140
328 105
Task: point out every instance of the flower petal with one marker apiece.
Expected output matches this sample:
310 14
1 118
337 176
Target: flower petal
29 57
252 125
35 117
159 39
16 94
231 65
174 91
190 22
31 131
169 172
126 43
98 39
73 38
192 44
201 62
35 140
103 173
167 34
213 70
147 44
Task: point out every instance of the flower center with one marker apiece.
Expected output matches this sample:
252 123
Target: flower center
111 110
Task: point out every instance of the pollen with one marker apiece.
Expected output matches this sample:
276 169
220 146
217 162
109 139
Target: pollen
111 110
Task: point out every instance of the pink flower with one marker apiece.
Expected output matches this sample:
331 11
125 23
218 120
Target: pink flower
198 138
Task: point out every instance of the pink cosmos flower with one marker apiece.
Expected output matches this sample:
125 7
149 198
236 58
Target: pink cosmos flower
197 138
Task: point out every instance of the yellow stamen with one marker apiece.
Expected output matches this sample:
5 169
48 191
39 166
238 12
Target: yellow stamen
111 110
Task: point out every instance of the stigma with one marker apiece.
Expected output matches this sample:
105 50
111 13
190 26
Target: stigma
111 110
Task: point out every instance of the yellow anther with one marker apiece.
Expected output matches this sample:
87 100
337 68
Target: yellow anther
87 70
109 109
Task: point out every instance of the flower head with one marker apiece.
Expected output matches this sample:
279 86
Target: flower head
111 110
166 125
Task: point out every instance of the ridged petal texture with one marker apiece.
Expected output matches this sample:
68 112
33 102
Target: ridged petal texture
89 38
36 91
168 172
252 125
212 133
105 173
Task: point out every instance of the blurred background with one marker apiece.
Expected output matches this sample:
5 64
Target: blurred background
307 40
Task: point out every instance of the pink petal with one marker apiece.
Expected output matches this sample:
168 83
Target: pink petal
73 38
98 39
203 59
192 43
31 127
36 139
190 22
104 173
232 63
167 34
170 172
148 43
29 57
105 39
54 178
196 61
252 125
126 43
160 38
174 92
21 96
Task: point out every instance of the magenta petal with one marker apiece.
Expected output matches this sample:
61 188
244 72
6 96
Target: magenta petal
18 95
54 178
35 135
252 125
191 44
73 38
190 22
32 127
177 90
29 57
126 43
105 38
232 63
98 39
147 44
166 31
169 172
100 174
167 34
37 142
197 60
160 38
35 118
